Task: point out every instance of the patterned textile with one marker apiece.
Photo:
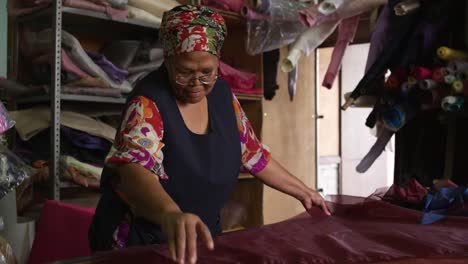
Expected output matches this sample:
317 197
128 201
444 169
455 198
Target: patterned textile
188 28
140 139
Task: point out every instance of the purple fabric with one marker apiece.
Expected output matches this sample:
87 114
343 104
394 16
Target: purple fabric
379 37
117 74
85 140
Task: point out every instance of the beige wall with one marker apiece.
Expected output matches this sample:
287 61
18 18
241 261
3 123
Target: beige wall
329 107
289 131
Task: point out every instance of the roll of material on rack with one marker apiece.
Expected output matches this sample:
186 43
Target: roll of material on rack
406 7
452 103
427 84
394 118
449 54
438 74
457 66
449 78
421 73
458 86
329 6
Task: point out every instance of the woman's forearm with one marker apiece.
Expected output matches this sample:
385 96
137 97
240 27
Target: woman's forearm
277 177
144 192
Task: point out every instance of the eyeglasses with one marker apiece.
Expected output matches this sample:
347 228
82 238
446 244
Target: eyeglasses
185 79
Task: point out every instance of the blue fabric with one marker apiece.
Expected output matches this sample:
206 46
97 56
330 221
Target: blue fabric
443 202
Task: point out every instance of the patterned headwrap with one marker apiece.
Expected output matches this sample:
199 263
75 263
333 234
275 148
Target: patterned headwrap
189 28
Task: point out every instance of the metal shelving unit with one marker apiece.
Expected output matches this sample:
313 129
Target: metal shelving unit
61 16
75 98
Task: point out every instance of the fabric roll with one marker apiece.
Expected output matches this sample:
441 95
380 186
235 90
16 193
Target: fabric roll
406 7
91 91
270 73
104 7
156 8
90 82
117 74
141 15
346 32
375 151
307 42
292 81
68 162
329 6
312 16
379 36
34 120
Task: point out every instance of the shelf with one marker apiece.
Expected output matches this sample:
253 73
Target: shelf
244 176
47 13
83 12
251 97
67 184
74 98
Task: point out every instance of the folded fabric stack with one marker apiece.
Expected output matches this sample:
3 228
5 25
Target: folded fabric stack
148 11
84 144
109 73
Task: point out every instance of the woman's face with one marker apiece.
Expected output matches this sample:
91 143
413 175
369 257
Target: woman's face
192 75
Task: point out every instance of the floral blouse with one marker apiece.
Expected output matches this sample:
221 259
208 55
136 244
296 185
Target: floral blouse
140 139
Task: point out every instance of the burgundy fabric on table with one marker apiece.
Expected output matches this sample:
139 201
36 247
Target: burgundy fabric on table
359 231
113 13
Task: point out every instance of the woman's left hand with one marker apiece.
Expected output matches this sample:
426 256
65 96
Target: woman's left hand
310 198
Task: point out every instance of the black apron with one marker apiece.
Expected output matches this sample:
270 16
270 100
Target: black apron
202 169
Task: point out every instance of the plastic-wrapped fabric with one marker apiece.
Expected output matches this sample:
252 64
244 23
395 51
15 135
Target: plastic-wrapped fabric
274 28
103 7
360 230
5 120
13 171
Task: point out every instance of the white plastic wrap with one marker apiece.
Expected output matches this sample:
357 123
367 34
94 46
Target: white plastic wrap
13 171
274 27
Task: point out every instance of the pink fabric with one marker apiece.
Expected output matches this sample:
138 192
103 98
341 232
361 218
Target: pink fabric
346 32
106 8
62 233
67 64
229 5
237 79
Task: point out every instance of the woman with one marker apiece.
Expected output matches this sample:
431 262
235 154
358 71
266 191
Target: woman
180 147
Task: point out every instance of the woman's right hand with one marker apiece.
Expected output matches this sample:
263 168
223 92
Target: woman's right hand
182 230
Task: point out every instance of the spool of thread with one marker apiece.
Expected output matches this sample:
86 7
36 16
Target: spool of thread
438 74
449 54
457 66
421 73
461 76
449 78
457 86
394 118
393 84
427 84
452 103
412 81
